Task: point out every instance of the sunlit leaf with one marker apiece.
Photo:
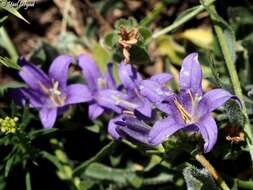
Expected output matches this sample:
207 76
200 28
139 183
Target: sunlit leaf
201 37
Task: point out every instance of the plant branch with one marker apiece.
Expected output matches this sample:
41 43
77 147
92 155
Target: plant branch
182 20
99 156
234 79
206 164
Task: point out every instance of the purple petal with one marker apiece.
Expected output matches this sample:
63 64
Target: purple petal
129 76
90 70
58 70
145 107
154 91
135 124
186 99
33 76
112 127
95 111
212 100
109 77
36 99
190 77
164 107
209 131
48 117
139 136
77 93
162 130
109 99
162 78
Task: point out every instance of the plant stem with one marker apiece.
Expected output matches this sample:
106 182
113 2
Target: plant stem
159 7
205 163
99 156
182 20
234 80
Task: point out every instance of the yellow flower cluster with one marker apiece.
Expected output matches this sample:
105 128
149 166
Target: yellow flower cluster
8 125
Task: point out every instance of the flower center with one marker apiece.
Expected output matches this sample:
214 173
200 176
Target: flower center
185 115
102 84
54 93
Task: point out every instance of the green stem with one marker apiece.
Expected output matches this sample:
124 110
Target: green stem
99 156
234 80
182 20
245 184
28 181
153 14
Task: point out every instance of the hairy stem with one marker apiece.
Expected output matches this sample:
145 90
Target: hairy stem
182 20
234 80
206 164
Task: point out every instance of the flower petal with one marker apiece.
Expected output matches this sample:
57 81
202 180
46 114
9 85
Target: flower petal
112 127
129 76
95 111
154 91
48 117
77 93
109 77
59 69
135 124
144 107
209 131
33 76
162 78
90 70
191 75
36 100
212 100
109 99
162 130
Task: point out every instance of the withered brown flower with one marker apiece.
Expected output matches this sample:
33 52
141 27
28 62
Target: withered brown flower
127 40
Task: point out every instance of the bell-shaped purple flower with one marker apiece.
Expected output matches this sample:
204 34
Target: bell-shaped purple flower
144 93
50 93
190 109
129 127
103 88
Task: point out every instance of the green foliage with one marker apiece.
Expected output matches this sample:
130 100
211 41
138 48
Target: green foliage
6 5
198 179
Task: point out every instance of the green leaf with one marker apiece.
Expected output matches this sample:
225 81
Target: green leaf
2 20
197 179
41 132
145 33
101 56
185 13
6 6
102 172
106 150
139 56
28 181
111 39
8 166
10 85
9 63
127 23
227 30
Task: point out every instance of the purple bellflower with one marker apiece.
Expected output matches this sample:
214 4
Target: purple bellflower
105 94
130 127
50 93
190 109
144 93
